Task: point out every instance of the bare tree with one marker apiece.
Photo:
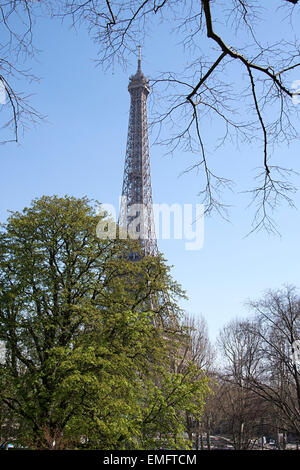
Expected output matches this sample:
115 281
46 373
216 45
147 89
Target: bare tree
16 46
244 84
239 414
197 347
259 356
198 350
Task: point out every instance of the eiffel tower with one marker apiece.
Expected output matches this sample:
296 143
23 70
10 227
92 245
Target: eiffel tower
136 209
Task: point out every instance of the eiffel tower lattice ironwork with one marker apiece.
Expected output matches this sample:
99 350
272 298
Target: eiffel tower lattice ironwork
136 208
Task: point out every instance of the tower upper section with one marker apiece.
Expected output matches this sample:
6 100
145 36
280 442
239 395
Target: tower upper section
136 211
139 80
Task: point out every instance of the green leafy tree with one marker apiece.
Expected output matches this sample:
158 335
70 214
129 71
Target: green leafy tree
88 335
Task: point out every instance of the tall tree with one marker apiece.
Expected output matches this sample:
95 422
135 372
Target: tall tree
86 354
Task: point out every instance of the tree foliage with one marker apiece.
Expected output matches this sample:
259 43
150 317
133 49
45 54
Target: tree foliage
87 356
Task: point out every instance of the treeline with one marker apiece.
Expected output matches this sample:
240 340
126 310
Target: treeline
257 381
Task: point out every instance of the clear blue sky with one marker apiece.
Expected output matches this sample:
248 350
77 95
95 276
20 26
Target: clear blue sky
80 150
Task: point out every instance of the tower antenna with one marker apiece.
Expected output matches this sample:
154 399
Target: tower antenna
140 59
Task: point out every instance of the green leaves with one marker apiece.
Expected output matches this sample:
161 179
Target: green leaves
87 363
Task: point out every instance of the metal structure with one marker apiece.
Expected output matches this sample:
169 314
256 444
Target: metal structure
136 208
